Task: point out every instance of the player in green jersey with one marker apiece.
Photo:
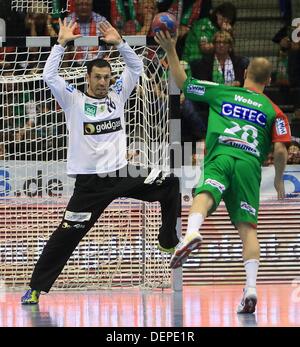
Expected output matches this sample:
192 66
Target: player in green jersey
243 124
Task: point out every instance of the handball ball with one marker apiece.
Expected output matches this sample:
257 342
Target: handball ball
164 21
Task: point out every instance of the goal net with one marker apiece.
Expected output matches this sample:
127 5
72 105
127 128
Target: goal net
121 249
41 6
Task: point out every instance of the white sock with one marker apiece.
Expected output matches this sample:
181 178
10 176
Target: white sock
251 267
195 221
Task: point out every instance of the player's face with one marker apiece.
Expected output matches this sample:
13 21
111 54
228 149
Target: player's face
99 81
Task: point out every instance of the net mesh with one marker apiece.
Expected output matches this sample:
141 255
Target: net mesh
40 6
121 248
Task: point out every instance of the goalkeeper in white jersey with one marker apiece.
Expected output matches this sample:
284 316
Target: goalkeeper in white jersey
97 156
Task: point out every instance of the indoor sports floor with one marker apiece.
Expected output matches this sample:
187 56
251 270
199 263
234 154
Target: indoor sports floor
196 306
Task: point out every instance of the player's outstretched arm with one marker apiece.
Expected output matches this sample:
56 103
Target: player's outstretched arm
169 45
280 159
62 92
133 63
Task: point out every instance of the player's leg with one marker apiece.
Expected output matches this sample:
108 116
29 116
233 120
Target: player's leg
208 194
167 193
83 210
242 202
168 196
202 203
251 253
251 248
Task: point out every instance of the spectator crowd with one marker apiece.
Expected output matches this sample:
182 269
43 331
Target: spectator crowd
206 47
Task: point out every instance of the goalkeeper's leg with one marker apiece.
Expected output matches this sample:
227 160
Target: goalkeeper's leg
61 245
83 210
169 199
167 193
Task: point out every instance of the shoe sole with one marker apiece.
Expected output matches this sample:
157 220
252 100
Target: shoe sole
29 303
249 306
166 251
180 256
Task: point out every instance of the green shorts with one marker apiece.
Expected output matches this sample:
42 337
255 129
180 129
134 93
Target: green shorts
235 180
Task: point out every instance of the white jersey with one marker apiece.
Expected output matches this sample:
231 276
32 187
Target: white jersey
97 132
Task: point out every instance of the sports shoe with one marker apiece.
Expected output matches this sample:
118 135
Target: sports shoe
190 242
166 250
31 297
249 301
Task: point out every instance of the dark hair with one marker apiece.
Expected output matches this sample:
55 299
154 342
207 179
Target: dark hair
97 63
227 9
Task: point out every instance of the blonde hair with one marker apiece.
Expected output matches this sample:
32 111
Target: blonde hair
224 34
259 70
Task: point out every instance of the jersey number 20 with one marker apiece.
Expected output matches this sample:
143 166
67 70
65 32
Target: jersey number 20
247 131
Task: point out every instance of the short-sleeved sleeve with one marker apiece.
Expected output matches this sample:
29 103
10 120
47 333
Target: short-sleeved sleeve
281 129
203 91
125 84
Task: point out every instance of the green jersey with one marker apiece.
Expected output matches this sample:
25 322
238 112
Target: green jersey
242 123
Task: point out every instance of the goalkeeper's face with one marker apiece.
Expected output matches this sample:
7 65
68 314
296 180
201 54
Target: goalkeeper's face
99 81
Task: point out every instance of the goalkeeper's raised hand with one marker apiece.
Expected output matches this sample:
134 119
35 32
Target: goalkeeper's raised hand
110 34
66 32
